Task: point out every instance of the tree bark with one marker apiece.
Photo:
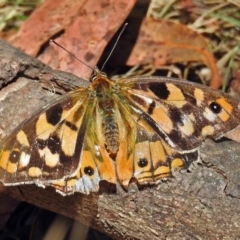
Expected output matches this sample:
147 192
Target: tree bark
203 203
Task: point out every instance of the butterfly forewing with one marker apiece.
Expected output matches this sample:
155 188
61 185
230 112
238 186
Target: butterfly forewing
44 147
182 113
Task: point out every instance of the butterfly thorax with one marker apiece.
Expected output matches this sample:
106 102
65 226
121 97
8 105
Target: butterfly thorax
103 90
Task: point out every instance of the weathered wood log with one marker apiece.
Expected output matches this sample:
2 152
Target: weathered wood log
201 204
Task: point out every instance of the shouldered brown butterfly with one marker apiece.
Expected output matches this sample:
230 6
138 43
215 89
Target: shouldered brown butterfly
135 128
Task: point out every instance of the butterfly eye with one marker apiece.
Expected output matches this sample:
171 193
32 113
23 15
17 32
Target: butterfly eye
215 107
14 156
142 162
89 171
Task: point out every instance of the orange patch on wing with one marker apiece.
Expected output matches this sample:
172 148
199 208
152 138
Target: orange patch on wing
43 128
157 153
178 104
124 164
188 128
162 171
101 164
51 160
68 143
11 167
177 163
207 130
59 184
22 138
169 150
145 125
4 159
34 172
175 93
160 150
199 95
71 182
227 106
106 166
68 135
160 115
176 96
146 177
224 115
191 117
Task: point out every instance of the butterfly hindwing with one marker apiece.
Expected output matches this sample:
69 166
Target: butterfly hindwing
144 155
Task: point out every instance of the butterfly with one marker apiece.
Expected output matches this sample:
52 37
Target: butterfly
132 129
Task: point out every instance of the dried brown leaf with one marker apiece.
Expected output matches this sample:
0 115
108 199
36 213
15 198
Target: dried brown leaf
87 29
164 42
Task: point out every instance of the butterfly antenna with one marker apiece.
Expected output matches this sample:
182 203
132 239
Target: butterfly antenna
71 54
120 34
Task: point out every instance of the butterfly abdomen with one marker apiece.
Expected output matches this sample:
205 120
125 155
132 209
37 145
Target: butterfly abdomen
110 128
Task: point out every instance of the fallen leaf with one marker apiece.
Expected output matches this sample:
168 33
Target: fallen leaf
87 29
162 42
235 85
47 20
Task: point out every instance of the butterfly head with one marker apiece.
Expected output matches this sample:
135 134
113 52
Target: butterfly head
101 84
97 74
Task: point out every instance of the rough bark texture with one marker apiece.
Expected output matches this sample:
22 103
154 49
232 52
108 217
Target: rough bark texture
201 204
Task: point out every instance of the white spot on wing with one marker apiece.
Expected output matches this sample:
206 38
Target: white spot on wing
97 148
209 115
24 159
86 184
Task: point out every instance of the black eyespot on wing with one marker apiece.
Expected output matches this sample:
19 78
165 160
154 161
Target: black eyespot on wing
54 115
89 171
142 162
14 156
215 107
160 90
